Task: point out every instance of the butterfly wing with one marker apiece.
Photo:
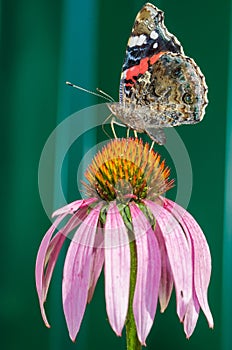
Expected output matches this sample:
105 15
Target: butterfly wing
148 41
160 86
174 92
171 92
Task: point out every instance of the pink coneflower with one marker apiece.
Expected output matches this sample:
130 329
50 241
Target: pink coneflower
145 243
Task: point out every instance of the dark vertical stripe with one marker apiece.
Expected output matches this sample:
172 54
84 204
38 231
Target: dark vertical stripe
227 240
78 65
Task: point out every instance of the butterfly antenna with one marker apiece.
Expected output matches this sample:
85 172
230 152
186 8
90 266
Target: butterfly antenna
105 94
102 95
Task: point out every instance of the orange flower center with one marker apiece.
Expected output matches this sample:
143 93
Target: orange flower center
126 168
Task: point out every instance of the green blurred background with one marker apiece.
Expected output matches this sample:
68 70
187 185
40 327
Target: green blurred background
43 44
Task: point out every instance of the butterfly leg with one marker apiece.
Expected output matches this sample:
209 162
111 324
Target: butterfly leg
113 121
103 125
112 127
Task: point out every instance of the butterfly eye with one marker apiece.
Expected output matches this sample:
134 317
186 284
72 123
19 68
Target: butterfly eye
176 72
187 98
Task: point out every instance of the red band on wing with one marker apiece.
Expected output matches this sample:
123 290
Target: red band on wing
155 58
141 68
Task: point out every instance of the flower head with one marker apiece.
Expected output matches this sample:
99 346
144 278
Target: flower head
127 169
125 184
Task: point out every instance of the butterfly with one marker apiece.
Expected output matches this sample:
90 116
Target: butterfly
160 86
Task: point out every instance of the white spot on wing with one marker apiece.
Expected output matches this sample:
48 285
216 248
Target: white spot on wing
155 45
132 40
137 40
154 35
141 40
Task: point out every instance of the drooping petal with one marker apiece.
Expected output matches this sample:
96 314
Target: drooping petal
97 264
191 316
76 275
179 254
117 269
148 273
71 208
202 257
166 279
97 261
51 258
48 253
40 262
56 245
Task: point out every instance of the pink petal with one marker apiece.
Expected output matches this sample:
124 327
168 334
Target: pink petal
97 264
166 280
50 252
51 257
202 258
148 273
71 208
56 245
40 262
76 275
97 261
179 254
117 269
191 316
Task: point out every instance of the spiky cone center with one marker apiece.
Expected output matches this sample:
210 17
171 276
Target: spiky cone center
127 169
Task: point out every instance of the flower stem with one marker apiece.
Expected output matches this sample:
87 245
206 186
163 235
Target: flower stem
131 332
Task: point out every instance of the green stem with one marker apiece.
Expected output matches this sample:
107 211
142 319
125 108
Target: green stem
131 332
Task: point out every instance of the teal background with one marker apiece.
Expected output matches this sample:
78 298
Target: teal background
43 43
